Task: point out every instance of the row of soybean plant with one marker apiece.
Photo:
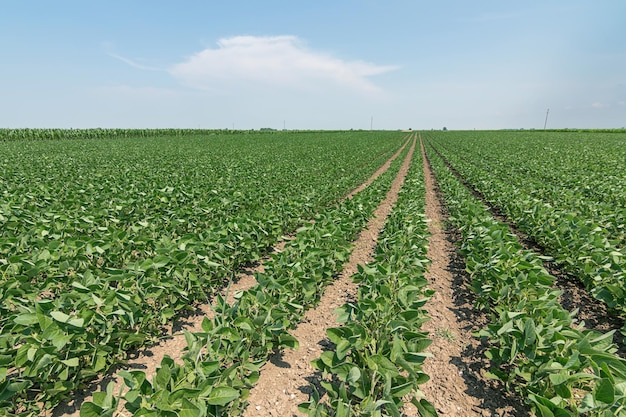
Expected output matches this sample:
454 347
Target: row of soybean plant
572 206
222 363
104 133
102 243
376 364
539 349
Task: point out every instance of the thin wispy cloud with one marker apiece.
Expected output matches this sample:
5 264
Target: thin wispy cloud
274 61
108 47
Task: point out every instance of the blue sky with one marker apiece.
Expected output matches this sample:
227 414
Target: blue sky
337 64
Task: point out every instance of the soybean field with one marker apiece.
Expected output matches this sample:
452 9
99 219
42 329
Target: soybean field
347 273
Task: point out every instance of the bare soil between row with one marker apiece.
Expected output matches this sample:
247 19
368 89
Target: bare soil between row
457 386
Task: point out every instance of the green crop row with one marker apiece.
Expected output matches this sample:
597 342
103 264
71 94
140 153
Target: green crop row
222 363
584 175
104 242
538 348
104 133
376 363
44 134
574 206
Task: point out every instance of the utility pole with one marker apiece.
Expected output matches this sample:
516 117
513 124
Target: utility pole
284 124
372 123
546 122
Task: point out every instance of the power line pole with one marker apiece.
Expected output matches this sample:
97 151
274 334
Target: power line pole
546 122
372 123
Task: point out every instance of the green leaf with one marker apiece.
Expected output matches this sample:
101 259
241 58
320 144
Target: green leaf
604 391
327 358
383 365
80 287
563 391
162 377
287 340
89 409
244 323
425 408
9 389
60 316
64 318
354 375
530 333
335 334
415 357
73 362
343 410
26 319
508 326
588 403
222 395
188 409
97 300
207 325
76 322
21 356
401 390
543 411
342 348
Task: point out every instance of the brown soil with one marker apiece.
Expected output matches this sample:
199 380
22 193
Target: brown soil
286 379
457 386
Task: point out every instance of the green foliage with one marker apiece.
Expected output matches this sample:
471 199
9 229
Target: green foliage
379 350
565 190
99 133
227 355
104 242
538 349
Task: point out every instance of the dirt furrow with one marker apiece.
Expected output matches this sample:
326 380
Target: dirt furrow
447 389
285 380
457 386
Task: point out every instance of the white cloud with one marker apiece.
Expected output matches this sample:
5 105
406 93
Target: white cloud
599 105
275 61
